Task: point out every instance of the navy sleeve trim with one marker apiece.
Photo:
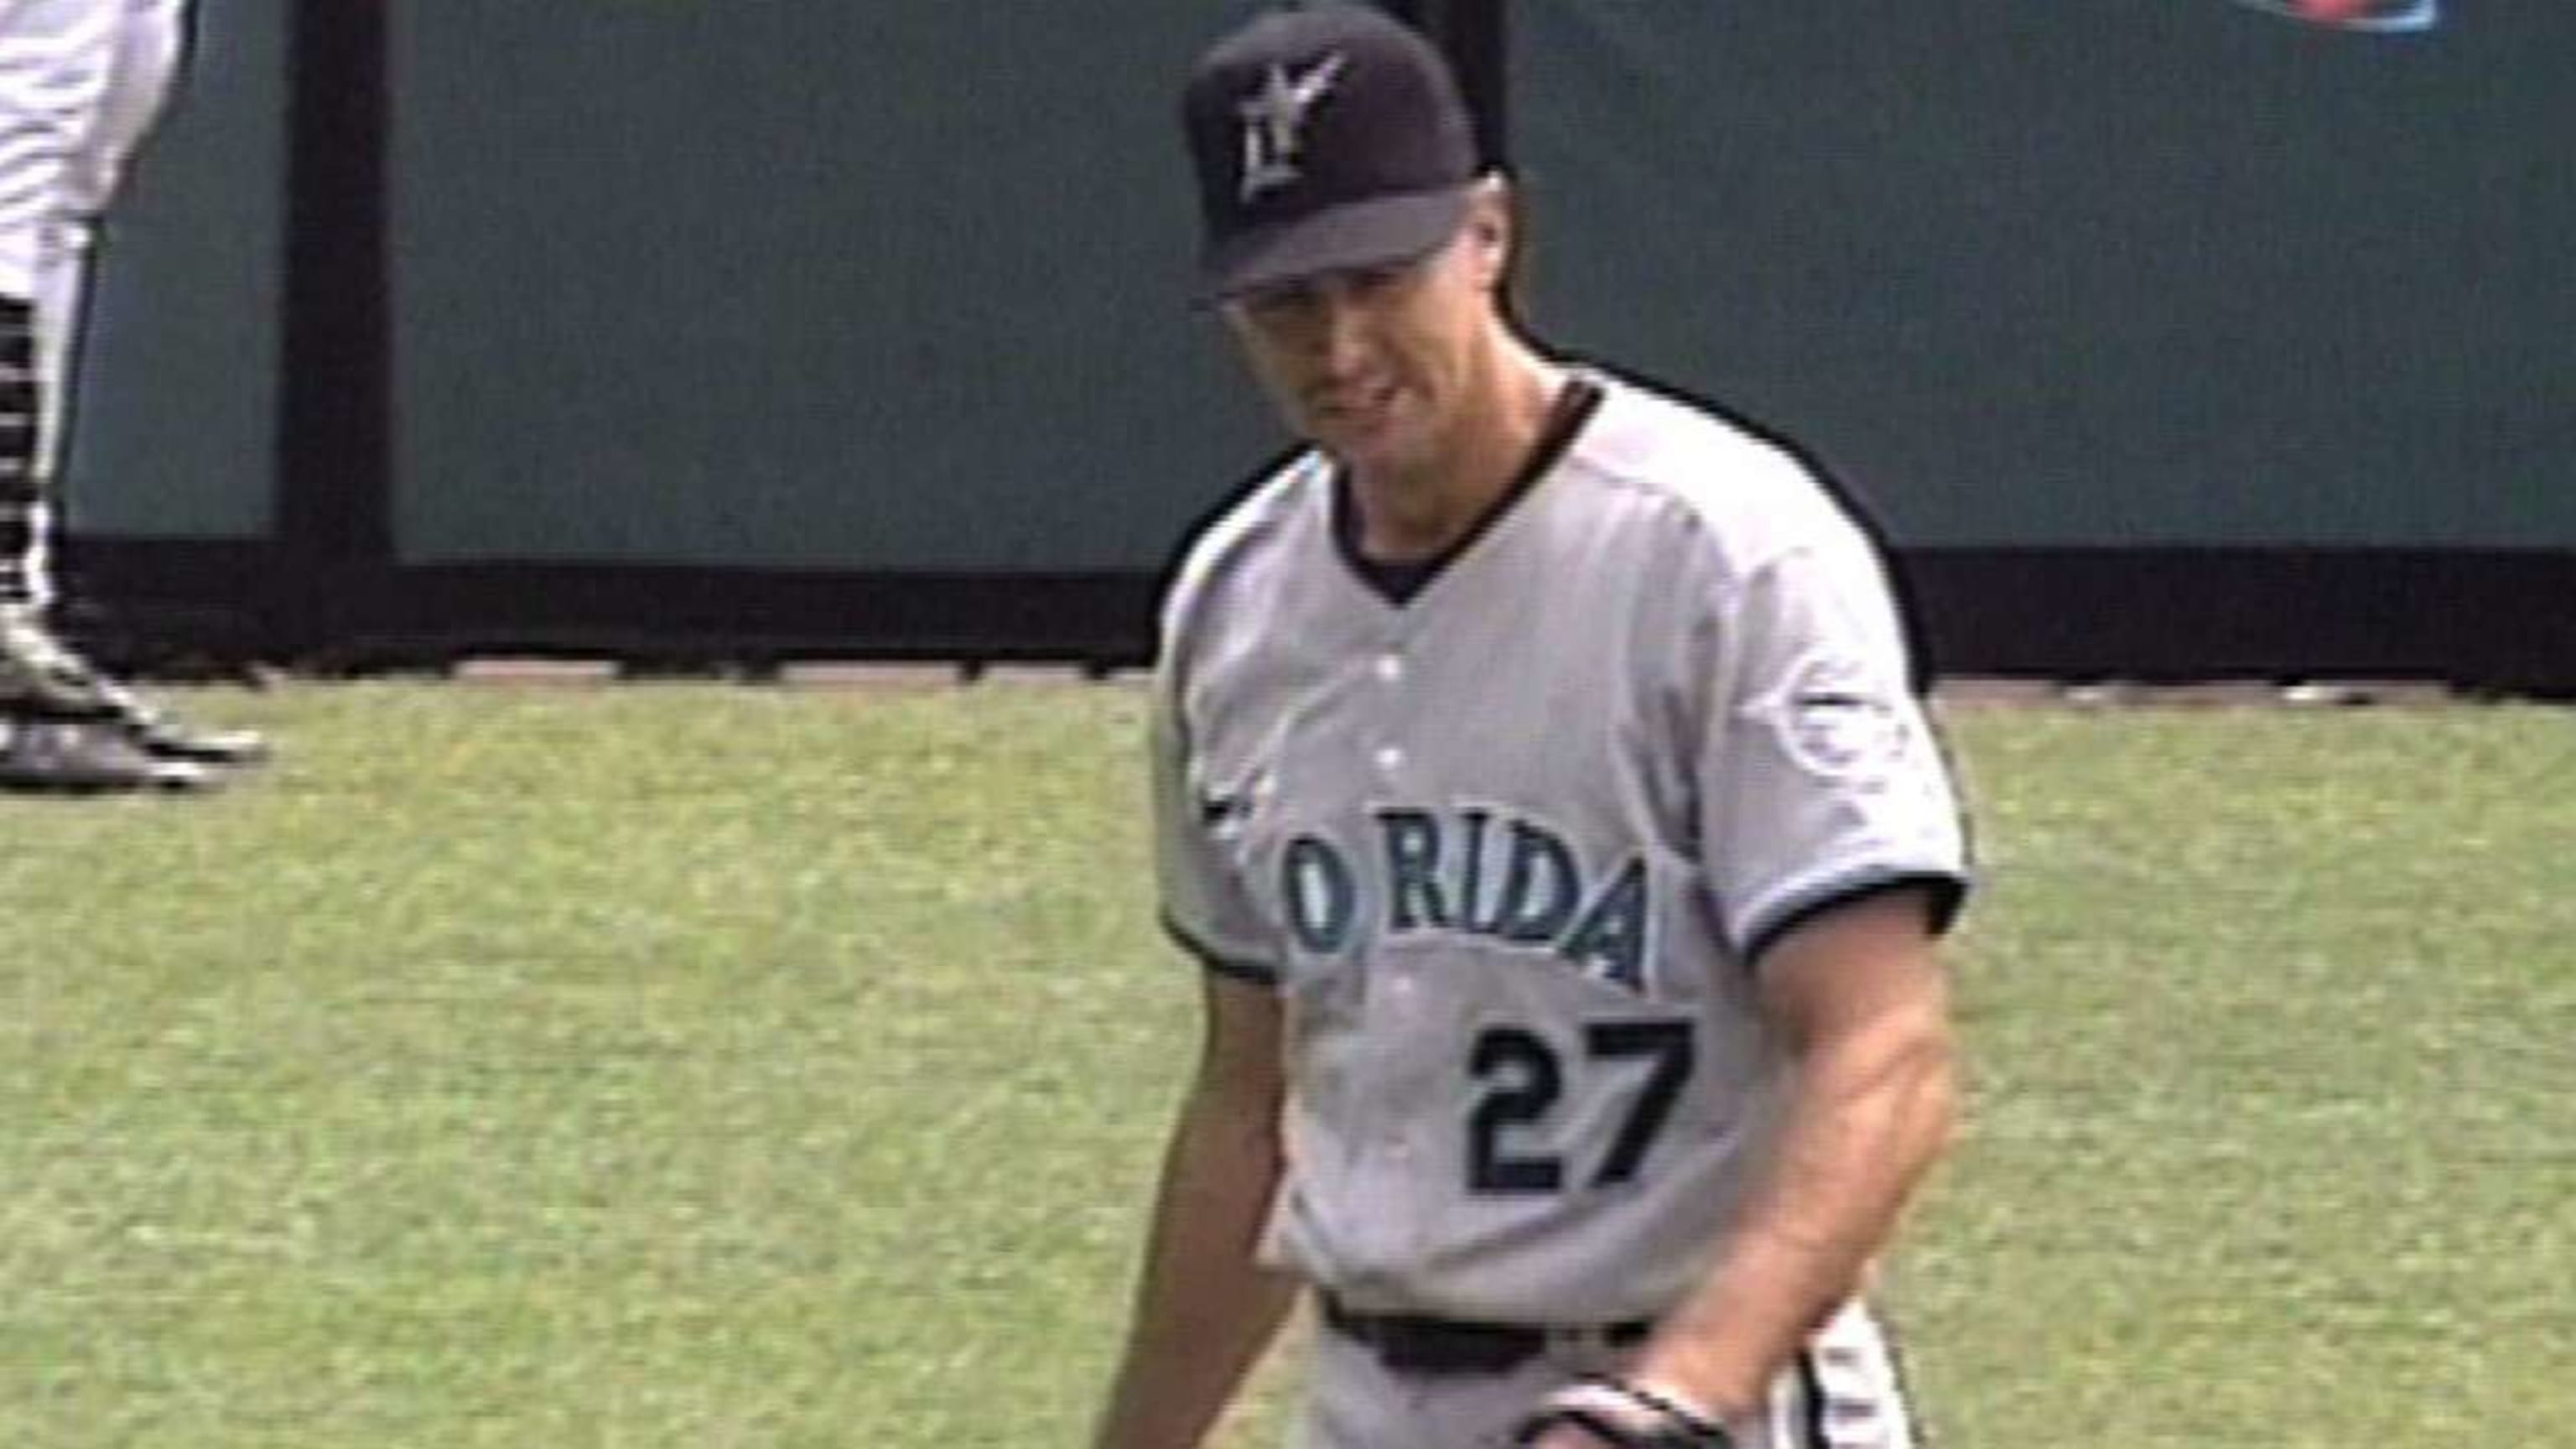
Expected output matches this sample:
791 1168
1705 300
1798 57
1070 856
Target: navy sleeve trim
1945 892
1240 968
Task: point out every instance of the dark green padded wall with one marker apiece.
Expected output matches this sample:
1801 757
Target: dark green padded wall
895 285
898 286
175 433
2085 272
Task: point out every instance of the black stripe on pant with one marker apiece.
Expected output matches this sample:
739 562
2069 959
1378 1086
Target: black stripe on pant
1811 1393
23 485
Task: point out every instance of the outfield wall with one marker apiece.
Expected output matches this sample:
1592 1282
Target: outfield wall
2071 273
2162 337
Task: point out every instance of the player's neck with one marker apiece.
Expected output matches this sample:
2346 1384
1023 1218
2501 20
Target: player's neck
1416 513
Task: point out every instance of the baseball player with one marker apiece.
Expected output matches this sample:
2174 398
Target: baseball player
1539 778
81 82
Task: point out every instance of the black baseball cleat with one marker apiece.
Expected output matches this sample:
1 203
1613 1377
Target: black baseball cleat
164 738
56 682
87 757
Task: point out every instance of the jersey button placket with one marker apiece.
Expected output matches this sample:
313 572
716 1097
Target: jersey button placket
1389 670
1401 1002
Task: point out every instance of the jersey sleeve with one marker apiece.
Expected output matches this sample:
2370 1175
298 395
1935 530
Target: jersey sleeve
1204 905
1821 778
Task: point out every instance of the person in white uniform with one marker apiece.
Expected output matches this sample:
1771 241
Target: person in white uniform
81 84
1541 778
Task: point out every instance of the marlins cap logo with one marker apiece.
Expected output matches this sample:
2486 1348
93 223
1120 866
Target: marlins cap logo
1274 122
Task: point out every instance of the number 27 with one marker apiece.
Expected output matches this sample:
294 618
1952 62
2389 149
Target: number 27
1527 1076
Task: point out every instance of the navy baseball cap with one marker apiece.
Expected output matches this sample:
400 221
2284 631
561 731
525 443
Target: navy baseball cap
1326 137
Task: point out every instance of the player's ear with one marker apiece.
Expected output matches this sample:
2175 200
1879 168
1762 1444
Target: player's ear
1489 230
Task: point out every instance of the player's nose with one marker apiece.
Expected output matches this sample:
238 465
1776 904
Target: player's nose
1341 333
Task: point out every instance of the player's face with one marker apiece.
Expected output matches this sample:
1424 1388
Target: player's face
1377 366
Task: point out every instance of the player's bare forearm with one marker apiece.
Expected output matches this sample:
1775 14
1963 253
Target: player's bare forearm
1873 1102
1205 1308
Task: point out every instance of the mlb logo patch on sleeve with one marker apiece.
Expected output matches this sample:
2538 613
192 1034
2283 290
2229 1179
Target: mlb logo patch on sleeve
1837 724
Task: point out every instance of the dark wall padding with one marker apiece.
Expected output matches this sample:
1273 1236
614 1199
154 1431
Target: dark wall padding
899 285
2086 273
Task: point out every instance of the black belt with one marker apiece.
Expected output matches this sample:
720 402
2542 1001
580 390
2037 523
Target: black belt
1409 1343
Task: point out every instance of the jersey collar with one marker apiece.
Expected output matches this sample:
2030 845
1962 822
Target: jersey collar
1401 583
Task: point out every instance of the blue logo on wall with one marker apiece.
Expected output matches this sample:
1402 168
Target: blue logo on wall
2384 17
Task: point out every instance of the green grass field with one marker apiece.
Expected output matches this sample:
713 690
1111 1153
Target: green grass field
729 1066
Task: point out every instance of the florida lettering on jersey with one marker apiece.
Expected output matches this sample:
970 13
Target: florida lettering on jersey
1508 879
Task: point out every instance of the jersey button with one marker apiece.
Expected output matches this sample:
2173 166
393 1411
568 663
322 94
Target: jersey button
1390 668
1389 759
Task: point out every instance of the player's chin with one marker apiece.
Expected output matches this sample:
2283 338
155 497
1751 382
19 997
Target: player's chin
1376 462
1372 445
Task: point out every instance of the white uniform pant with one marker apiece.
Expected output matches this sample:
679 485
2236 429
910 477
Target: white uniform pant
81 82
1842 1394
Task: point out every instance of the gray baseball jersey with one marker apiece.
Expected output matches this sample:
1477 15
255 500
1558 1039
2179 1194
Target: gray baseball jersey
1505 837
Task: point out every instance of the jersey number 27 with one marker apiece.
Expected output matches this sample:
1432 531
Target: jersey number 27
1525 1075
